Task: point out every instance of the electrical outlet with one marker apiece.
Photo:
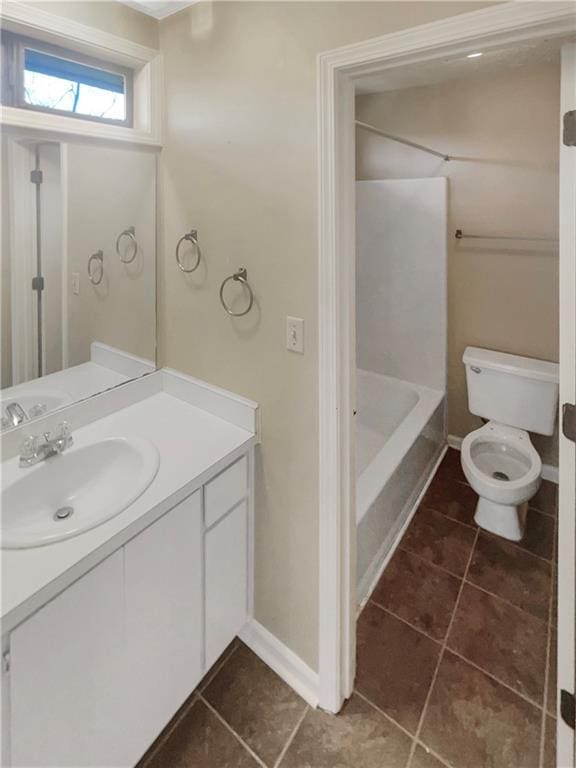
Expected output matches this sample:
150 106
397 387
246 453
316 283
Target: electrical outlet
76 283
295 334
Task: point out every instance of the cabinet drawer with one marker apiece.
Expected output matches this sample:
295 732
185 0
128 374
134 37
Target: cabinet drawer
226 490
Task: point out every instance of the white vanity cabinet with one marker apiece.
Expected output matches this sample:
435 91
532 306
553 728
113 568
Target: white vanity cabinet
163 619
226 554
97 673
65 663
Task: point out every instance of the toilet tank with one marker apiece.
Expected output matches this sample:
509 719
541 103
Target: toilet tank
518 391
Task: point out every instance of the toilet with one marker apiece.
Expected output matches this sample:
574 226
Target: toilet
516 395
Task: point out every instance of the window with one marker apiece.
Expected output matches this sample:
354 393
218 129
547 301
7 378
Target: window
46 78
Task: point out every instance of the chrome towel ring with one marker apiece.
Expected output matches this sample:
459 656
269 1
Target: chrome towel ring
190 237
96 258
240 276
131 247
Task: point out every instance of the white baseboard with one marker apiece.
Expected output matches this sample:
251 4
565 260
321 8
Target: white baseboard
549 471
454 442
287 665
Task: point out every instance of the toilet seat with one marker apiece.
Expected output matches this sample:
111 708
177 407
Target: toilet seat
501 437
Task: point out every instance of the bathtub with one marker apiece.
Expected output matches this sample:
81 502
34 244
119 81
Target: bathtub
400 435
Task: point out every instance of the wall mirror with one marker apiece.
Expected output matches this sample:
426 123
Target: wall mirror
78 271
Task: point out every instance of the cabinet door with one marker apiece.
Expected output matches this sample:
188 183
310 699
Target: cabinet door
66 688
226 581
164 633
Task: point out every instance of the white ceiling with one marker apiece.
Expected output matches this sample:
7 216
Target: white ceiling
459 67
159 9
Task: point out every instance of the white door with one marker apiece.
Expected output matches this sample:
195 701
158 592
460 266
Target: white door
567 463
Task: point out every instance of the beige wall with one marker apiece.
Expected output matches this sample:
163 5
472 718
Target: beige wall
240 165
108 190
505 127
108 16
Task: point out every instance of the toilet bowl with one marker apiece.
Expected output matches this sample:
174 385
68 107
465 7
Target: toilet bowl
504 469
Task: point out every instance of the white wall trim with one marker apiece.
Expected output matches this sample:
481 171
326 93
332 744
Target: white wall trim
287 665
146 63
22 254
549 471
337 69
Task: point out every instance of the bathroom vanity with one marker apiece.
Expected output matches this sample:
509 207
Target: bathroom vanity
106 633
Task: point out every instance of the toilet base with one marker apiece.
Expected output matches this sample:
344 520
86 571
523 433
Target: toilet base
502 519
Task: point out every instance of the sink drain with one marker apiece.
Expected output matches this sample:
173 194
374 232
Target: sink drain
63 513
500 475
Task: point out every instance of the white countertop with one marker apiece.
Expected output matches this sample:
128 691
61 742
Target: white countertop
78 382
193 445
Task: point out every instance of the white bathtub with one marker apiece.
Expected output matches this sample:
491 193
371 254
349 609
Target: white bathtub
400 433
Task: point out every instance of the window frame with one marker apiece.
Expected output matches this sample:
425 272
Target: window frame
14 48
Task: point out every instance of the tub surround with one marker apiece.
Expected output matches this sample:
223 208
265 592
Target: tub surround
400 393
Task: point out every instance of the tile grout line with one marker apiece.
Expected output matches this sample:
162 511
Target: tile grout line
291 737
217 667
402 728
170 727
429 562
441 656
503 600
232 731
548 655
471 583
408 623
493 677
444 641
474 527
385 714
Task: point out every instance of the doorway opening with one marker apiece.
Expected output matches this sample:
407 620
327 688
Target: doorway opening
409 294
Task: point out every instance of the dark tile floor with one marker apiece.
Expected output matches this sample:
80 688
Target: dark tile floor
456 662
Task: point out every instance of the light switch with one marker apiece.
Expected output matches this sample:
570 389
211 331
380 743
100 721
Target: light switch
295 334
76 283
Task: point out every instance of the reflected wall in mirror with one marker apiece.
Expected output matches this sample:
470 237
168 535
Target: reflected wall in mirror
78 271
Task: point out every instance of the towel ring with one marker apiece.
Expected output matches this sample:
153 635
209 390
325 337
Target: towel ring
96 257
132 246
241 276
191 237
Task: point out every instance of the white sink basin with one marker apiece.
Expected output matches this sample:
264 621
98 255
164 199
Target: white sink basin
75 491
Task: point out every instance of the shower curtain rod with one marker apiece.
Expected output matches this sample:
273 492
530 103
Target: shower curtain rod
373 129
459 235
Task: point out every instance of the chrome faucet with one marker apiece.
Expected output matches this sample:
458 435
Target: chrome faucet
16 414
36 449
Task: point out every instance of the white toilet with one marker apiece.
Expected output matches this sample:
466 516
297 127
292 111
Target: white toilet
516 394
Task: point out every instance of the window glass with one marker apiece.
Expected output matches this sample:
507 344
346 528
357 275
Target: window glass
56 83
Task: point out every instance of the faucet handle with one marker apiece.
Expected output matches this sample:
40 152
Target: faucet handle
29 447
64 433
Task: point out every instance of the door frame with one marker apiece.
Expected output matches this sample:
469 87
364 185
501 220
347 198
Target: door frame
337 71
22 242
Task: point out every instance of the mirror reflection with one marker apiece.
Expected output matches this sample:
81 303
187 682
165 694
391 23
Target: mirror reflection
78 272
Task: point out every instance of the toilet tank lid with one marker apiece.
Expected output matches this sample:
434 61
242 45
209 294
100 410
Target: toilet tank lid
527 367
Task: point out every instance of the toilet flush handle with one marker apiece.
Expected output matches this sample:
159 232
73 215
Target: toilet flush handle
475 369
